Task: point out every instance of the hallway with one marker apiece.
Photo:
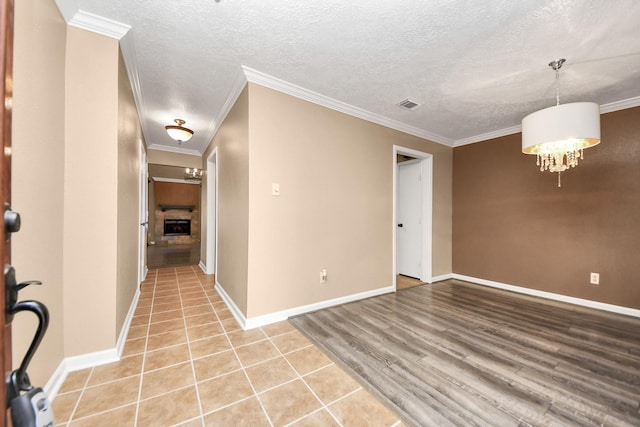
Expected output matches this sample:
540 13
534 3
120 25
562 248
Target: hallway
187 362
173 255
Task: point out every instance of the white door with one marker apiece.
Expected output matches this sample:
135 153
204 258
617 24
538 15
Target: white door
409 218
144 216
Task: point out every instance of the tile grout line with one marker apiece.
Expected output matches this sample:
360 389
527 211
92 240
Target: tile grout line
193 368
235 353
323 406
82 390
144 352
86 386
192 288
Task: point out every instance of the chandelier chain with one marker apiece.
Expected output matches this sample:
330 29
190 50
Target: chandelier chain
556 65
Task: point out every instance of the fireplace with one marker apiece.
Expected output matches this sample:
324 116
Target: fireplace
177 227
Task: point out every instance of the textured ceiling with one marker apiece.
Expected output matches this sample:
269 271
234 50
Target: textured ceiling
478 67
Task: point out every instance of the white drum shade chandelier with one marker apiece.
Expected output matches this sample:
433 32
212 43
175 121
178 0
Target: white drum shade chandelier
558 135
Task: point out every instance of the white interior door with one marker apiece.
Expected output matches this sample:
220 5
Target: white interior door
144 216
409 220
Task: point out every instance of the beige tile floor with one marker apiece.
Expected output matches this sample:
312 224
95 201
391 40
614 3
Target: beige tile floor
187 362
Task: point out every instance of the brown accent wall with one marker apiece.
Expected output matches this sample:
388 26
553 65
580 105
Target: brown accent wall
175 193
512 224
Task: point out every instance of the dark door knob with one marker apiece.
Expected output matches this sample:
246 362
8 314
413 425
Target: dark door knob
11 222
12 287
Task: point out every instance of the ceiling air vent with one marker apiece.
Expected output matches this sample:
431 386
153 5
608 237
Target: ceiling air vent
409 104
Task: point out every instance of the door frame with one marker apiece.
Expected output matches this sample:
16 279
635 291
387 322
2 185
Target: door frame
426 163
212 212
6 73
401 191
143 215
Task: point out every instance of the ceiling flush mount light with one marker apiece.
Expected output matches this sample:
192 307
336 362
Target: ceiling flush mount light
558 135
178 132
191 174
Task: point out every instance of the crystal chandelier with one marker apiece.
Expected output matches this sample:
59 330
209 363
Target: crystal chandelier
191 174
558 135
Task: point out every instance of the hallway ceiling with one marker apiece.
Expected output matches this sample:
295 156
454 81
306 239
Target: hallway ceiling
477 67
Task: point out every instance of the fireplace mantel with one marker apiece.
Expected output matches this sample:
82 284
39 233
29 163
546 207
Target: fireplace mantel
165 208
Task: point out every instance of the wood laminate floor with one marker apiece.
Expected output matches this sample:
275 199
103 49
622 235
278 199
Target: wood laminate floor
454 353
173 255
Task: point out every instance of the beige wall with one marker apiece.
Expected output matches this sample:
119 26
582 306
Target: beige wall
512 224
129 140
75 135
37 175
232 140
335 209
91 196
173 159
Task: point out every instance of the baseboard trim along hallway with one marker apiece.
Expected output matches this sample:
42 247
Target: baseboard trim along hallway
267 319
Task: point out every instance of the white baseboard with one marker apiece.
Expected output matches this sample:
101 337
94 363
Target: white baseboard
233 308
266 319
552 296
90 360
76 363
441 278
127 323
203 267
55 381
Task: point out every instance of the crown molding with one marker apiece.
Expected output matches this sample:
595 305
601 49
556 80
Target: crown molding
620 105
90 21
107 27
98 24
271 82
189 151
236 89
67 8
128 50
486 136
604 108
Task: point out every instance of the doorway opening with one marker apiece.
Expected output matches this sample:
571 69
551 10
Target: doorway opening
143 215
174 217
211 246
412 216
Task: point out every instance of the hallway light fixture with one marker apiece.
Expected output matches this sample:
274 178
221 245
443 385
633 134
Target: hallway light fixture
190 174
558 135
178 132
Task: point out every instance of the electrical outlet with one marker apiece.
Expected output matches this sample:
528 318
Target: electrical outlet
275 189
595 278
323 275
